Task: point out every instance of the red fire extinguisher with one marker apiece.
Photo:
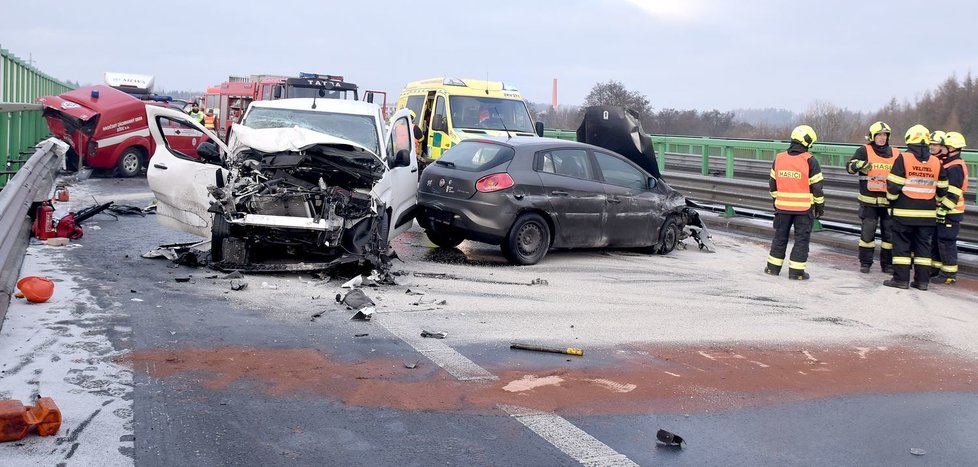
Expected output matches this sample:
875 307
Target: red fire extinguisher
43 227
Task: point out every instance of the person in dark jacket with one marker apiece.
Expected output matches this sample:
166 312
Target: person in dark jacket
796 186
950 210
915 183
873 162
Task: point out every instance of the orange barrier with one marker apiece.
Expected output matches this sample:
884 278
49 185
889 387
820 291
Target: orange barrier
17 419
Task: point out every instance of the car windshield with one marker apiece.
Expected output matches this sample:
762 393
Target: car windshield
357 128
490 113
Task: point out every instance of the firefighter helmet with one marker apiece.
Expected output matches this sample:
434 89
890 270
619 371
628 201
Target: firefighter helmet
917 134
877 128
954 140
804 134
937 137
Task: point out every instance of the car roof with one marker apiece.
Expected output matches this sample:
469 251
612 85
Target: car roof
322 105
534 143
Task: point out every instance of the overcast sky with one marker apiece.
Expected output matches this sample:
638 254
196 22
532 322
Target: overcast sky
685 54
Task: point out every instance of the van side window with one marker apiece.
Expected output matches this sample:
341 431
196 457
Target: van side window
414 103
440 115
400 139
182 139
267 92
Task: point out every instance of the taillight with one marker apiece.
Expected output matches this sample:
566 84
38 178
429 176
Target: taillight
494 182
92 147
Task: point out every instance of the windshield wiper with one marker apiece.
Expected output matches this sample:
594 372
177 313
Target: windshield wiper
445 163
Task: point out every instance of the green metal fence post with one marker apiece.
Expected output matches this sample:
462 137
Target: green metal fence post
706 159
728 152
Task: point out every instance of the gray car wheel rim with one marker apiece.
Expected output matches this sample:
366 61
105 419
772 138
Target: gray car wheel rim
130 162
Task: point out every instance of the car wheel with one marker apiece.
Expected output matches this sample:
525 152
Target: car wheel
130 163
443 237
220 229
528 240
668 236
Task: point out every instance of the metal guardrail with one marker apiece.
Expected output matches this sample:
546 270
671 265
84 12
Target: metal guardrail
32 183
21 124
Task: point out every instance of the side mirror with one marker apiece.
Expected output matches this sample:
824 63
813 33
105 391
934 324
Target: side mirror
322 93
539 127
652 183
370 97
402 158
277 92
418 134
440 123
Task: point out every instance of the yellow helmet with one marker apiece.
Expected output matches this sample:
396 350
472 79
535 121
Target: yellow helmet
917 134
805 135
937 137
877 128
954 140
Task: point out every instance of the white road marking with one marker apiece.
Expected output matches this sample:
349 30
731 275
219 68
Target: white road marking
435 350
570 439
673 374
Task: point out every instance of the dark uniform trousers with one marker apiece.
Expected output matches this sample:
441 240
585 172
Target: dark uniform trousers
945 250
914 239
871 217
783 222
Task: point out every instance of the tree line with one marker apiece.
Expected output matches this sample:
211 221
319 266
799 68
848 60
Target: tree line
953 106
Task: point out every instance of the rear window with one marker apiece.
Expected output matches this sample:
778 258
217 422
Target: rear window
475 156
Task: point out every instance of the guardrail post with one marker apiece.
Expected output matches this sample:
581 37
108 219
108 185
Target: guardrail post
728 152
706 159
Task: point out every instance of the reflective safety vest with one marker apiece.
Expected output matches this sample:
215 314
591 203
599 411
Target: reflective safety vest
921 177
791 175
879 169
959 209
209 121
197 116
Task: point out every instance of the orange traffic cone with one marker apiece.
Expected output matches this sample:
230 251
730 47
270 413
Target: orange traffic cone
16 419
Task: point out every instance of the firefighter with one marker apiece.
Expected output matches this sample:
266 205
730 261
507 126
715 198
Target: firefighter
796 186
196 114
873 162
916 181
210 119
950 210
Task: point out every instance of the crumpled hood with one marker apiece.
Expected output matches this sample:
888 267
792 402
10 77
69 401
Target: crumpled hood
271 140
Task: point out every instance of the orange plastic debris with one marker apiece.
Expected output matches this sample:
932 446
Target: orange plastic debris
36 289
17 419
61 193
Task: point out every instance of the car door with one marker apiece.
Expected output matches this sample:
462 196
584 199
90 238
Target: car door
629 202
401 180
576 197
178 178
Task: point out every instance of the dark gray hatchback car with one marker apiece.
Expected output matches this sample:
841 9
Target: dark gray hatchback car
532 194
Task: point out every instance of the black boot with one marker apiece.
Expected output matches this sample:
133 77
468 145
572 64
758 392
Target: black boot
919 285
895 283
799 276
864 268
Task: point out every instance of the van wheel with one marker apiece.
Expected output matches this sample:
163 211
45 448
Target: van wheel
130 163
528 240
668 236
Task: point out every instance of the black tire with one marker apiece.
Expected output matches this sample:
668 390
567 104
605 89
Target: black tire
130 163
443 237
528 240
668 236
220 229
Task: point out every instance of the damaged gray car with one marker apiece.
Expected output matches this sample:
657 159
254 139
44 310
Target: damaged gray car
302 186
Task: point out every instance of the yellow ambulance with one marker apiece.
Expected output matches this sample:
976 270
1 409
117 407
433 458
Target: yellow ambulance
450 109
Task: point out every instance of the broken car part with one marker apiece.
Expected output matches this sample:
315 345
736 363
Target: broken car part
540 348
668 438
435 335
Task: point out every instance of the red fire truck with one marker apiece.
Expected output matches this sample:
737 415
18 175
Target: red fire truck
234 95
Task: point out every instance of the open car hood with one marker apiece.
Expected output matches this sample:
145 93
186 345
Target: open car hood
272 140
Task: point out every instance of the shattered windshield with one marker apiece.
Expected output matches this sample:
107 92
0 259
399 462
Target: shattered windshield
357 128
490 113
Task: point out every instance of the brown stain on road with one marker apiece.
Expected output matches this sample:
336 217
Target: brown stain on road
655 379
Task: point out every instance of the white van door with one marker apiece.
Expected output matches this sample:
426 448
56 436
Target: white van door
403 174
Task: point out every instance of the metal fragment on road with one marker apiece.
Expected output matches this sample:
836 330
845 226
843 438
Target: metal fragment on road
917 451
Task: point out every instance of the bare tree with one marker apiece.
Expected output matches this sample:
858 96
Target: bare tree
833 123
615 93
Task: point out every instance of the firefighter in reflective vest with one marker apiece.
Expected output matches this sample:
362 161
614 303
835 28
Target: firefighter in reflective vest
873 162
796 186
950 210
915 183
210 119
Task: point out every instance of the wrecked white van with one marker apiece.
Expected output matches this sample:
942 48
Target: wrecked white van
304 184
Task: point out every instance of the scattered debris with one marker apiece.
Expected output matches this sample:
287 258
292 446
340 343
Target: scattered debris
412 292
233 275
412 366
36 289
364 314
182 279
135 299
355 299
361 335
266 285
17 419
669 439
238 285
57 241
917 451
192 254
443 302
317 315
355 282
126 210
539 281
540 348
435 335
